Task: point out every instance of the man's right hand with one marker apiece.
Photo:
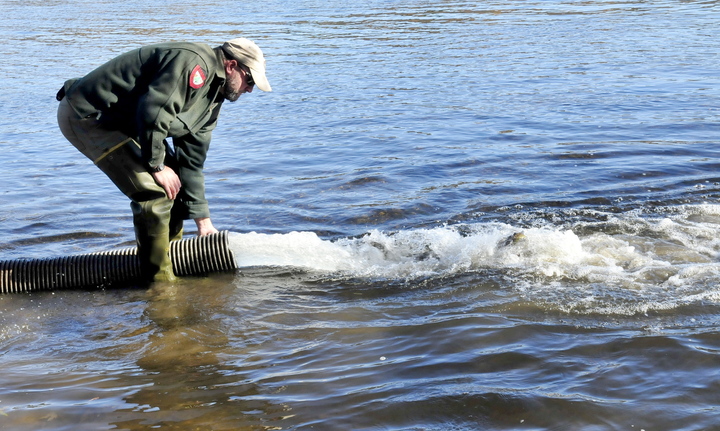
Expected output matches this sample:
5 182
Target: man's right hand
169 181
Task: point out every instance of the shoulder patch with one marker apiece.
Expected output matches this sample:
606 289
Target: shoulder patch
197 77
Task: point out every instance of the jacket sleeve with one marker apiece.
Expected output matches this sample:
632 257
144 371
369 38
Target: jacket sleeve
167 93
191 151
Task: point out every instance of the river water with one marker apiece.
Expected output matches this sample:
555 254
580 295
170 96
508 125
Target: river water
448 215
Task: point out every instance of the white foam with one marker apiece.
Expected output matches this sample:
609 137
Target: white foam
643 262
441 251
294 249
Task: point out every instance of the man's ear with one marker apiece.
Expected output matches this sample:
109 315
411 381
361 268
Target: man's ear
230 65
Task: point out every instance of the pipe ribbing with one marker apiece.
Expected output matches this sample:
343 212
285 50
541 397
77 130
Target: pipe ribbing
192 256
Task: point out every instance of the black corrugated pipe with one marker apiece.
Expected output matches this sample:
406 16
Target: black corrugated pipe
192 256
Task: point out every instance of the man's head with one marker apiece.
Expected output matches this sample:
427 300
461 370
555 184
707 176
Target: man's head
244 67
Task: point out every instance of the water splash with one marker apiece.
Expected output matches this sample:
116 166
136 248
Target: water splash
619 264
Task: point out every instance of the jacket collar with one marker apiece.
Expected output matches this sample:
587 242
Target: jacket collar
221 63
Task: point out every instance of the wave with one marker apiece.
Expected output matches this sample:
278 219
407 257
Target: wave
624 263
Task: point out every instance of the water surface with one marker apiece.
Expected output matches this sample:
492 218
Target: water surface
447 215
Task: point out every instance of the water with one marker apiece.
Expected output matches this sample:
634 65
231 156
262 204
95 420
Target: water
447 216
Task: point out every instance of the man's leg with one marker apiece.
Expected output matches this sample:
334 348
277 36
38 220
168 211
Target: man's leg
152 231
117 156
176 223
153 215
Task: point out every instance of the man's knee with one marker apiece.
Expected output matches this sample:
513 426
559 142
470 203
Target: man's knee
128 174
153 214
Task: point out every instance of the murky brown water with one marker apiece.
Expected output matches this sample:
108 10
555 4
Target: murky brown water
371 196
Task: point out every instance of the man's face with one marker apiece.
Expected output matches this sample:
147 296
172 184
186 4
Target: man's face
236 83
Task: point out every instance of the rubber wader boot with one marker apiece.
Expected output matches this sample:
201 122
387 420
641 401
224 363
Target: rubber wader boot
152 232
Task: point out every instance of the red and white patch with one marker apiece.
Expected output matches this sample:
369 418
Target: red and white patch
197 77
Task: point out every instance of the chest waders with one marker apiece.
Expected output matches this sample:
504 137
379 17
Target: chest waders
155 220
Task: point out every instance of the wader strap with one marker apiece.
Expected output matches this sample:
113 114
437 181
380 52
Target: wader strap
106 153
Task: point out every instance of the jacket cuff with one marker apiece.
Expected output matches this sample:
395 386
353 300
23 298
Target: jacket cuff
197 210
155 162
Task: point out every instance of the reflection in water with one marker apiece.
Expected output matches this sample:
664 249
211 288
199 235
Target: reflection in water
182 335
187 381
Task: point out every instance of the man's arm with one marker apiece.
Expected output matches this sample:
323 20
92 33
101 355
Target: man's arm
191 151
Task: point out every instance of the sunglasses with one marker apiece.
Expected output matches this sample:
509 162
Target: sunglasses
248 78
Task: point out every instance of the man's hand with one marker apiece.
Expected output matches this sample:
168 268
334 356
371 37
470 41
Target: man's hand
169 181
205 226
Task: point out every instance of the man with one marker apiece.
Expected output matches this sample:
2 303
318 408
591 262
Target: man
120 114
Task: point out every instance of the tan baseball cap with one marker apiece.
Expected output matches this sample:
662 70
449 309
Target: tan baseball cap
248 53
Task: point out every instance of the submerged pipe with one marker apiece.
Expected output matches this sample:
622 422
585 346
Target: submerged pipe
192 256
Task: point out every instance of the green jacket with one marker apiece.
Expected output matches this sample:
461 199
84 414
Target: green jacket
155 92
